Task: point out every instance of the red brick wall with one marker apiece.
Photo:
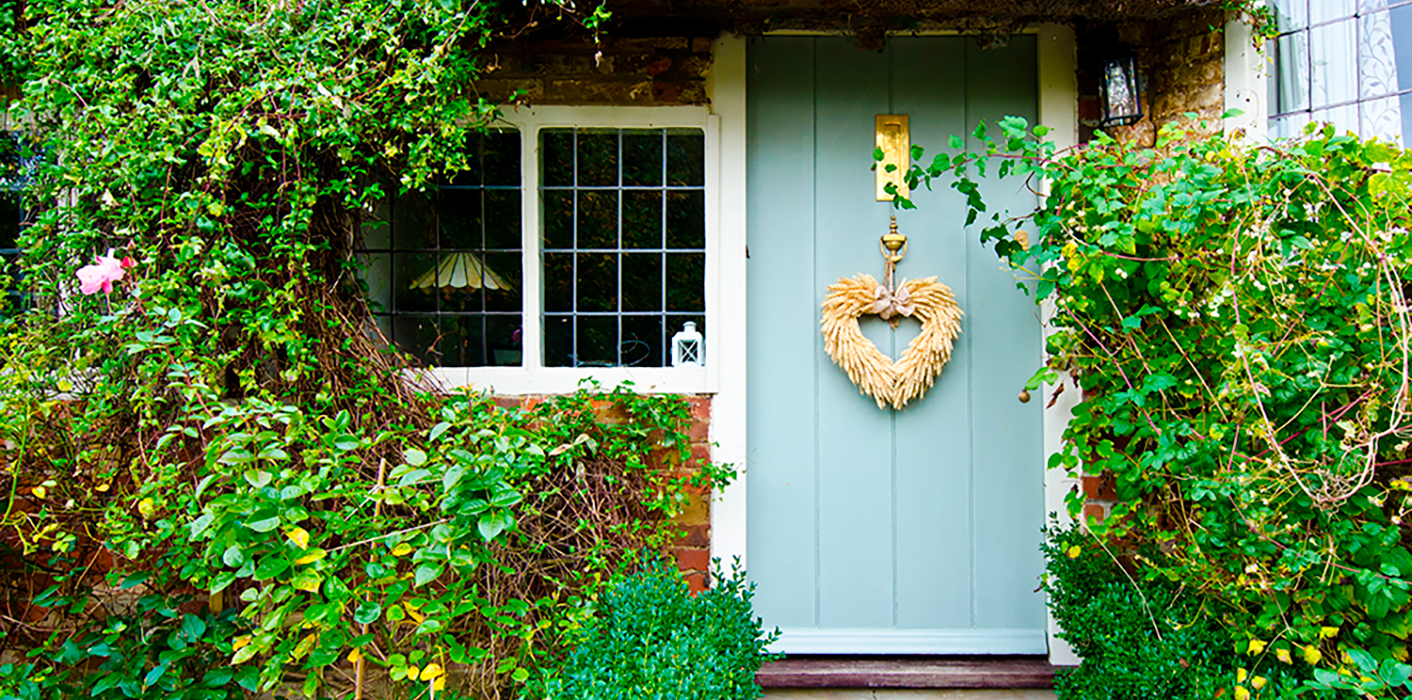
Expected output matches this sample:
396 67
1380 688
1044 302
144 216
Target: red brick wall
693 548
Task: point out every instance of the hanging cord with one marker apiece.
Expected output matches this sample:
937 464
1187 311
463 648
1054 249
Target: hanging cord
892 301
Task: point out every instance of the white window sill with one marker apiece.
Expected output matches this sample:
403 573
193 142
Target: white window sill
519 381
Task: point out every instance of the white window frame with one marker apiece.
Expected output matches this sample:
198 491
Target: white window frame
532 376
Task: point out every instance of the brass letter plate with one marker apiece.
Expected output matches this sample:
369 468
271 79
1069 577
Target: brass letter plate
895 140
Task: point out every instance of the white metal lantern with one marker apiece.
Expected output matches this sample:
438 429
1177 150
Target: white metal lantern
686 347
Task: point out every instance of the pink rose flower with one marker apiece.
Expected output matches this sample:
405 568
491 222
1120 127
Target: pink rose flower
102 274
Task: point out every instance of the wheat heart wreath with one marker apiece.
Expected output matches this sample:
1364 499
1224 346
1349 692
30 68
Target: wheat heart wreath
876 375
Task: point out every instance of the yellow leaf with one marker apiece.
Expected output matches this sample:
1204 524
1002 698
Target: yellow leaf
39 491
1241 693
240 642
1241 674
147 507
1328 632
1256 646
304 647
401 549
355 656
299 536
1312 655
311 556
412 672
420 618
1283 655
432 671
1257 682
439 683
1073 552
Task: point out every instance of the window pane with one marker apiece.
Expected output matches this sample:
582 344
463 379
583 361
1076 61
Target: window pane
597 282
458 214
642 158
558 281
558 341
597 159
686 282
1326 10
642 282
377 275
642 219
597 341
462 341
1377 62
558 215
556 154
598 220
415 278
502 281
686 219
1333 71
1291 14
414 223
1381 118
503 340
502 158
642 341
502 219
686 158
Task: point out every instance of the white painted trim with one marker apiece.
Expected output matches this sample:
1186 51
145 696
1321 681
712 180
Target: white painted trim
895 641
1058 110
726 88
1245 80
534 378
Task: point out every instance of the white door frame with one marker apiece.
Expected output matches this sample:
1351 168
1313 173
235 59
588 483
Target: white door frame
1058 109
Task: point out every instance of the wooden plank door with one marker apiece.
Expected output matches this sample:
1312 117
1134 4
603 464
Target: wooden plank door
872 530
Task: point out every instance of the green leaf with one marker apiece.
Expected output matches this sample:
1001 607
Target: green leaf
415 457
233 557
367 613
134 580
270 567
956 143
200 524
263 520
193 626
426 573
438 429
217 677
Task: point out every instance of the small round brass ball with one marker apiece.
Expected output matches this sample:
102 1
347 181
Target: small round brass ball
1024 396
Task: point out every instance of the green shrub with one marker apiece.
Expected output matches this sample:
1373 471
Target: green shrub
1140 638
652 639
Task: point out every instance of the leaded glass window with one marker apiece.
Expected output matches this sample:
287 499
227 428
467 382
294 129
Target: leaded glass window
444 268
1343 61
624 243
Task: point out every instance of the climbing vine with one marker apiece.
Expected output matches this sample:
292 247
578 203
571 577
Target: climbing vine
1236 319
218 478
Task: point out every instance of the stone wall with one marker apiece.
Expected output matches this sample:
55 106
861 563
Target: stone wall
667 70
1181 59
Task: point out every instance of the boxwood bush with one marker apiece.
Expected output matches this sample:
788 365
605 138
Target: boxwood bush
653 640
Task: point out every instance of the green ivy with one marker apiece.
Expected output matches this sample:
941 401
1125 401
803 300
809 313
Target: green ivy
1236 317
218 480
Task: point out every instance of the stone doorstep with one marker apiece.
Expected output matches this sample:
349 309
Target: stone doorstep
1001 672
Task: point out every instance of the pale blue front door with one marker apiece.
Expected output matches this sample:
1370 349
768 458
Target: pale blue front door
872 530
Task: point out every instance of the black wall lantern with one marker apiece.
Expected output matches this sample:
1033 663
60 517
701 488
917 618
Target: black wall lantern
1119 91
